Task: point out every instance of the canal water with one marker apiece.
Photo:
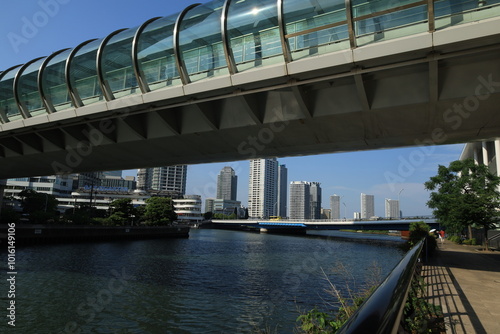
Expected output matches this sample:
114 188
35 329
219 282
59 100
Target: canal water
215 281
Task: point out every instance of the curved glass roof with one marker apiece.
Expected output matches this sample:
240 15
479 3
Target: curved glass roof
217 38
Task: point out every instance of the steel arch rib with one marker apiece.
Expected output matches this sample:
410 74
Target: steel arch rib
228 52
181 67
106 91
73 94
48 104
143 85
25 113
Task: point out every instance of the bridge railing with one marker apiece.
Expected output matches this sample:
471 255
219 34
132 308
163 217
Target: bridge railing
382 311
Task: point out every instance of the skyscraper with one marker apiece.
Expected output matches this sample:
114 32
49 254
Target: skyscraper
305 200
263 188
300 200
227 182
367 206
392 208
315 200
282 191
335 206
169 179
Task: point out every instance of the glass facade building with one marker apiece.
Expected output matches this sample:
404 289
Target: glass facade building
221 37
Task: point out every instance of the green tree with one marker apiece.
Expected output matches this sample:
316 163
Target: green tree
122 211
463 195
40 207
159 211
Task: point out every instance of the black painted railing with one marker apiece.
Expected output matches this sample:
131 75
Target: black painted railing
382 311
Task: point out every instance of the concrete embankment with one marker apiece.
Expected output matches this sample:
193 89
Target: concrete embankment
27 234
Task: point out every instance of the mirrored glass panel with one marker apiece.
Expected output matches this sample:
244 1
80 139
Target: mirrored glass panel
377 20
27 89
83 74
453 12
8 106
156 54
117 68
200 41
54 82
253 33
315 27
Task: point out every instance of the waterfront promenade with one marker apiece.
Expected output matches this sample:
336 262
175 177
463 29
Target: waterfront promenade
465 281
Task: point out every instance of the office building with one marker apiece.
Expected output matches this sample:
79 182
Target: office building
58 186
367 206
305 200
392 209
263 188
227 182
219 205
326 213
300 200
282 191
169 179
335 206
315 200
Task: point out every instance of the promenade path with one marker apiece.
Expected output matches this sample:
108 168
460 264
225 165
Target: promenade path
465 281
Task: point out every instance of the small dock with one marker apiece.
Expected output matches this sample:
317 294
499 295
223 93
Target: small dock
465 282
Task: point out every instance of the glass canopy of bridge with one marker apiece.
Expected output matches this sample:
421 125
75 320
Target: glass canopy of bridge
221 37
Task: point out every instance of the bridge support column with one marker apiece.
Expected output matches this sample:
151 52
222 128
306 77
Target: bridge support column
497 156
484 146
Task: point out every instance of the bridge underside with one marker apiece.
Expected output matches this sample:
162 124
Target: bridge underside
432 88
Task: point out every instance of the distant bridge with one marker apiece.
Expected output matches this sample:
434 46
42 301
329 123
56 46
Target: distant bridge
319 224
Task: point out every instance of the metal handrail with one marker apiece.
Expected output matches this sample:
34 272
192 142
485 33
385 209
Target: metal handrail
382 311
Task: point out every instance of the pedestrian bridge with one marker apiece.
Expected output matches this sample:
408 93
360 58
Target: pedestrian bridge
234 80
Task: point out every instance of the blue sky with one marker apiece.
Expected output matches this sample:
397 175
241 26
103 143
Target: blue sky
29 29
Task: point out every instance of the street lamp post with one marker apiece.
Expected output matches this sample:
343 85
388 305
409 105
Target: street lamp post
345 211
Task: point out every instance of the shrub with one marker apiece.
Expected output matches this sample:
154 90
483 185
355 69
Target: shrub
472 241
455 238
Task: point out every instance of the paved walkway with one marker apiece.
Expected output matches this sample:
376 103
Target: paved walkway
465 281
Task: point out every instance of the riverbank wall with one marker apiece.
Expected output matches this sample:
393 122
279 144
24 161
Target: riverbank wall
34 234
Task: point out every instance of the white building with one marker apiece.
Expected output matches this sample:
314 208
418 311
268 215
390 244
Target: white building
367 206
263 188
188 208
58 186
170 178
392 209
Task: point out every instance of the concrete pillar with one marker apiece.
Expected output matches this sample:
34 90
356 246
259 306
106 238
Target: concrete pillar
497 156
477 153
484 146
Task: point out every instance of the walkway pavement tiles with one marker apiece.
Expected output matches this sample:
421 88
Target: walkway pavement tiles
465 282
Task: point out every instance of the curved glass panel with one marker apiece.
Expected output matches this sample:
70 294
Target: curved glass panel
453 12
83 73
200 41
8 106
315 29
377 20
117 67
27 89
54 82
254 34
155 48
